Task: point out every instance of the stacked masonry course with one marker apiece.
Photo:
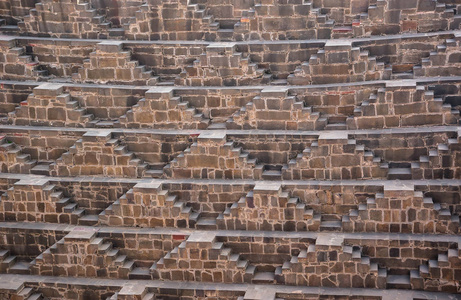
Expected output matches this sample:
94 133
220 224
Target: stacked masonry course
218 149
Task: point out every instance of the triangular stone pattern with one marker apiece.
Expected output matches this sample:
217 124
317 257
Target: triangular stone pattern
224 149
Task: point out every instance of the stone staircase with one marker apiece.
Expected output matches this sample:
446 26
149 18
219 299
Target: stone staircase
273 21
402 104
320 161
98 153
27 293
51 204
424 17
214 258
69 20
274 109
378 214
430 274
222 65
49 106
94 256
13 160
110 63
17 64
67 206
133 291
338 62
213 152
444 61
180 20
438 162
161 109
161 210
332 254
12 264
268 207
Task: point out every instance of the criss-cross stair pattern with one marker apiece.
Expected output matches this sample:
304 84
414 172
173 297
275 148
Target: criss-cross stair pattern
98 153
220 65
272 21
268 207
12 264
402 104
338 62
13 160
111 63
214 258
17 64
85 254
213 152
50 204
332 254
379 213
50 106
319 160
274 109
68 20
149 205
161 109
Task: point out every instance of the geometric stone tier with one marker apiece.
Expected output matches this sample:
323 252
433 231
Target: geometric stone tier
339 62
402 104
385 17
172 20
161 109
82 253
202 258
273 109
148 205
15 64
329 262
212 157
49 106
334 156
98 153
222 65
272 20
67 19
401 209
269 208
444 61
111 64
36 200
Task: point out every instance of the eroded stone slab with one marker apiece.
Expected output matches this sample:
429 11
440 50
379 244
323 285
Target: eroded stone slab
267 187
81 234
333 137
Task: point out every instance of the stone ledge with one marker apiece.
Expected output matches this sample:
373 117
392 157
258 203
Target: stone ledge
15 281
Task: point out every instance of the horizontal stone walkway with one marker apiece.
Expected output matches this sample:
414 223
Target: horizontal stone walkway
14 282
314 42
445 238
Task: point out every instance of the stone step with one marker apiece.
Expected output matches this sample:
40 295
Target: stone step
272 174
399 173
263 278
88 220
4 254
140 273
36 296
330 225
25 293
70 207
398 282
20 267
206 224
153 173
